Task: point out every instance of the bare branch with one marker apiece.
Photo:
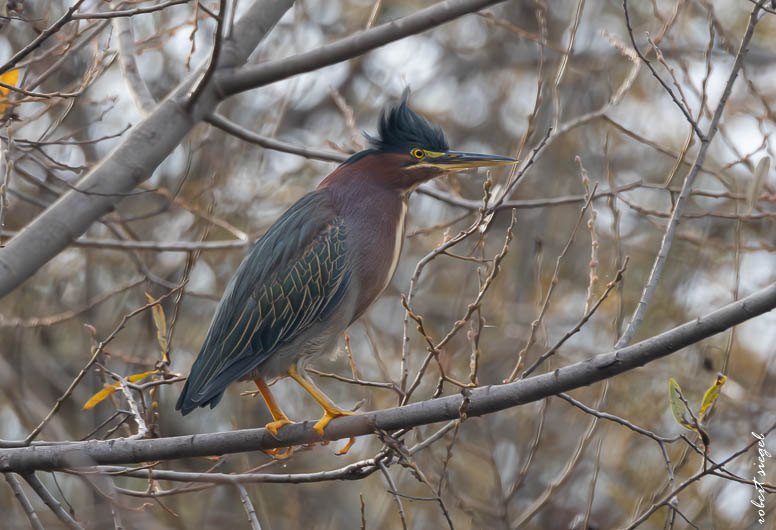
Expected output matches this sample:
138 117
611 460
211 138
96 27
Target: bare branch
50 501
255 76
673 224
124 13
483 400
27 506
132 162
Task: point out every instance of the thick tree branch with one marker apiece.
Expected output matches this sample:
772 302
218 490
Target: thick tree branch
132 162
254 76
150 141
483 400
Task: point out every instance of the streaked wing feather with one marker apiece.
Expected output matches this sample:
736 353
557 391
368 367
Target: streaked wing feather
295 276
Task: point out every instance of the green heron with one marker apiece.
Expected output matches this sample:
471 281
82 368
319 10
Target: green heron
320 266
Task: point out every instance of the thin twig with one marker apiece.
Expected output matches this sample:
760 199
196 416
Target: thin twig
589 313
565 473
667 88
45 34
666 499
550 289
50 501
393 491
29 509
211 67
676 214
248 507
97 351
128 12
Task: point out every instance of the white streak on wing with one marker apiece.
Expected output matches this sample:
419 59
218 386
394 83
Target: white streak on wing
399 239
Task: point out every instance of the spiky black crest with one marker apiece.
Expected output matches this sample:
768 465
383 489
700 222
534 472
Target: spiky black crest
401 129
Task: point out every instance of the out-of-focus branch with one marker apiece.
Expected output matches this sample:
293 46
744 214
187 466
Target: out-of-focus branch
149 142
159 246
132 162
50 320
254 76
676 215
249 509
27 506
431 191
270 143
51 501
125 13
45 34
135 82
483 400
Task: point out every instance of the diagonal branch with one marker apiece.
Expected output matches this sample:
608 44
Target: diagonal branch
51 501
254 76
482 400
45 34
151 140
682 106
29 509
676 215
145 146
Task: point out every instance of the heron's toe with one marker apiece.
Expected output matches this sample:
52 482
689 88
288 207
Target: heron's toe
330 414
277 424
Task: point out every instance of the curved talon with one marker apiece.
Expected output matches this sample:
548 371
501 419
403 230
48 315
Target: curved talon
273 426
347 447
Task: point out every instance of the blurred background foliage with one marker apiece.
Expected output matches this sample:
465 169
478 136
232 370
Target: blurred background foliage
478 78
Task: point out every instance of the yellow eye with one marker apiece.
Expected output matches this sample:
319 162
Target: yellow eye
417 153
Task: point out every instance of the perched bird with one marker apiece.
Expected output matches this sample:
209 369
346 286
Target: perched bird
320 266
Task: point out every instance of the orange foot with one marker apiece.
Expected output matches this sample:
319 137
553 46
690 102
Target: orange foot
330 414
281 453
273 426
347 447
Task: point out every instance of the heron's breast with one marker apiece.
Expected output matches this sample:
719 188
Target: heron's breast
376 248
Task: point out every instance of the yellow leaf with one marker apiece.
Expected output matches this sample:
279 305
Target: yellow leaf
139 377
678 408
11 77
711 396
161 326
110 389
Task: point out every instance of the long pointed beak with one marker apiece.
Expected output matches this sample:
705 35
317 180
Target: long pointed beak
456 161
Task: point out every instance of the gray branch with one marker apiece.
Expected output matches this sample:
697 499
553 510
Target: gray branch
151 140
254 76
132 162
51 501
483 400
29 509
673 224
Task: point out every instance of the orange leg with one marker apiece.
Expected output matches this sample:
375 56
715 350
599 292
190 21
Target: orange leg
274 409
330 410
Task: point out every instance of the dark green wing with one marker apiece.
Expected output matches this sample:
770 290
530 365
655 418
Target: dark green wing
294 276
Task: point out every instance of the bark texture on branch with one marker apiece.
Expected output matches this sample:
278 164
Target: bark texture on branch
150 141
483 400
134 160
